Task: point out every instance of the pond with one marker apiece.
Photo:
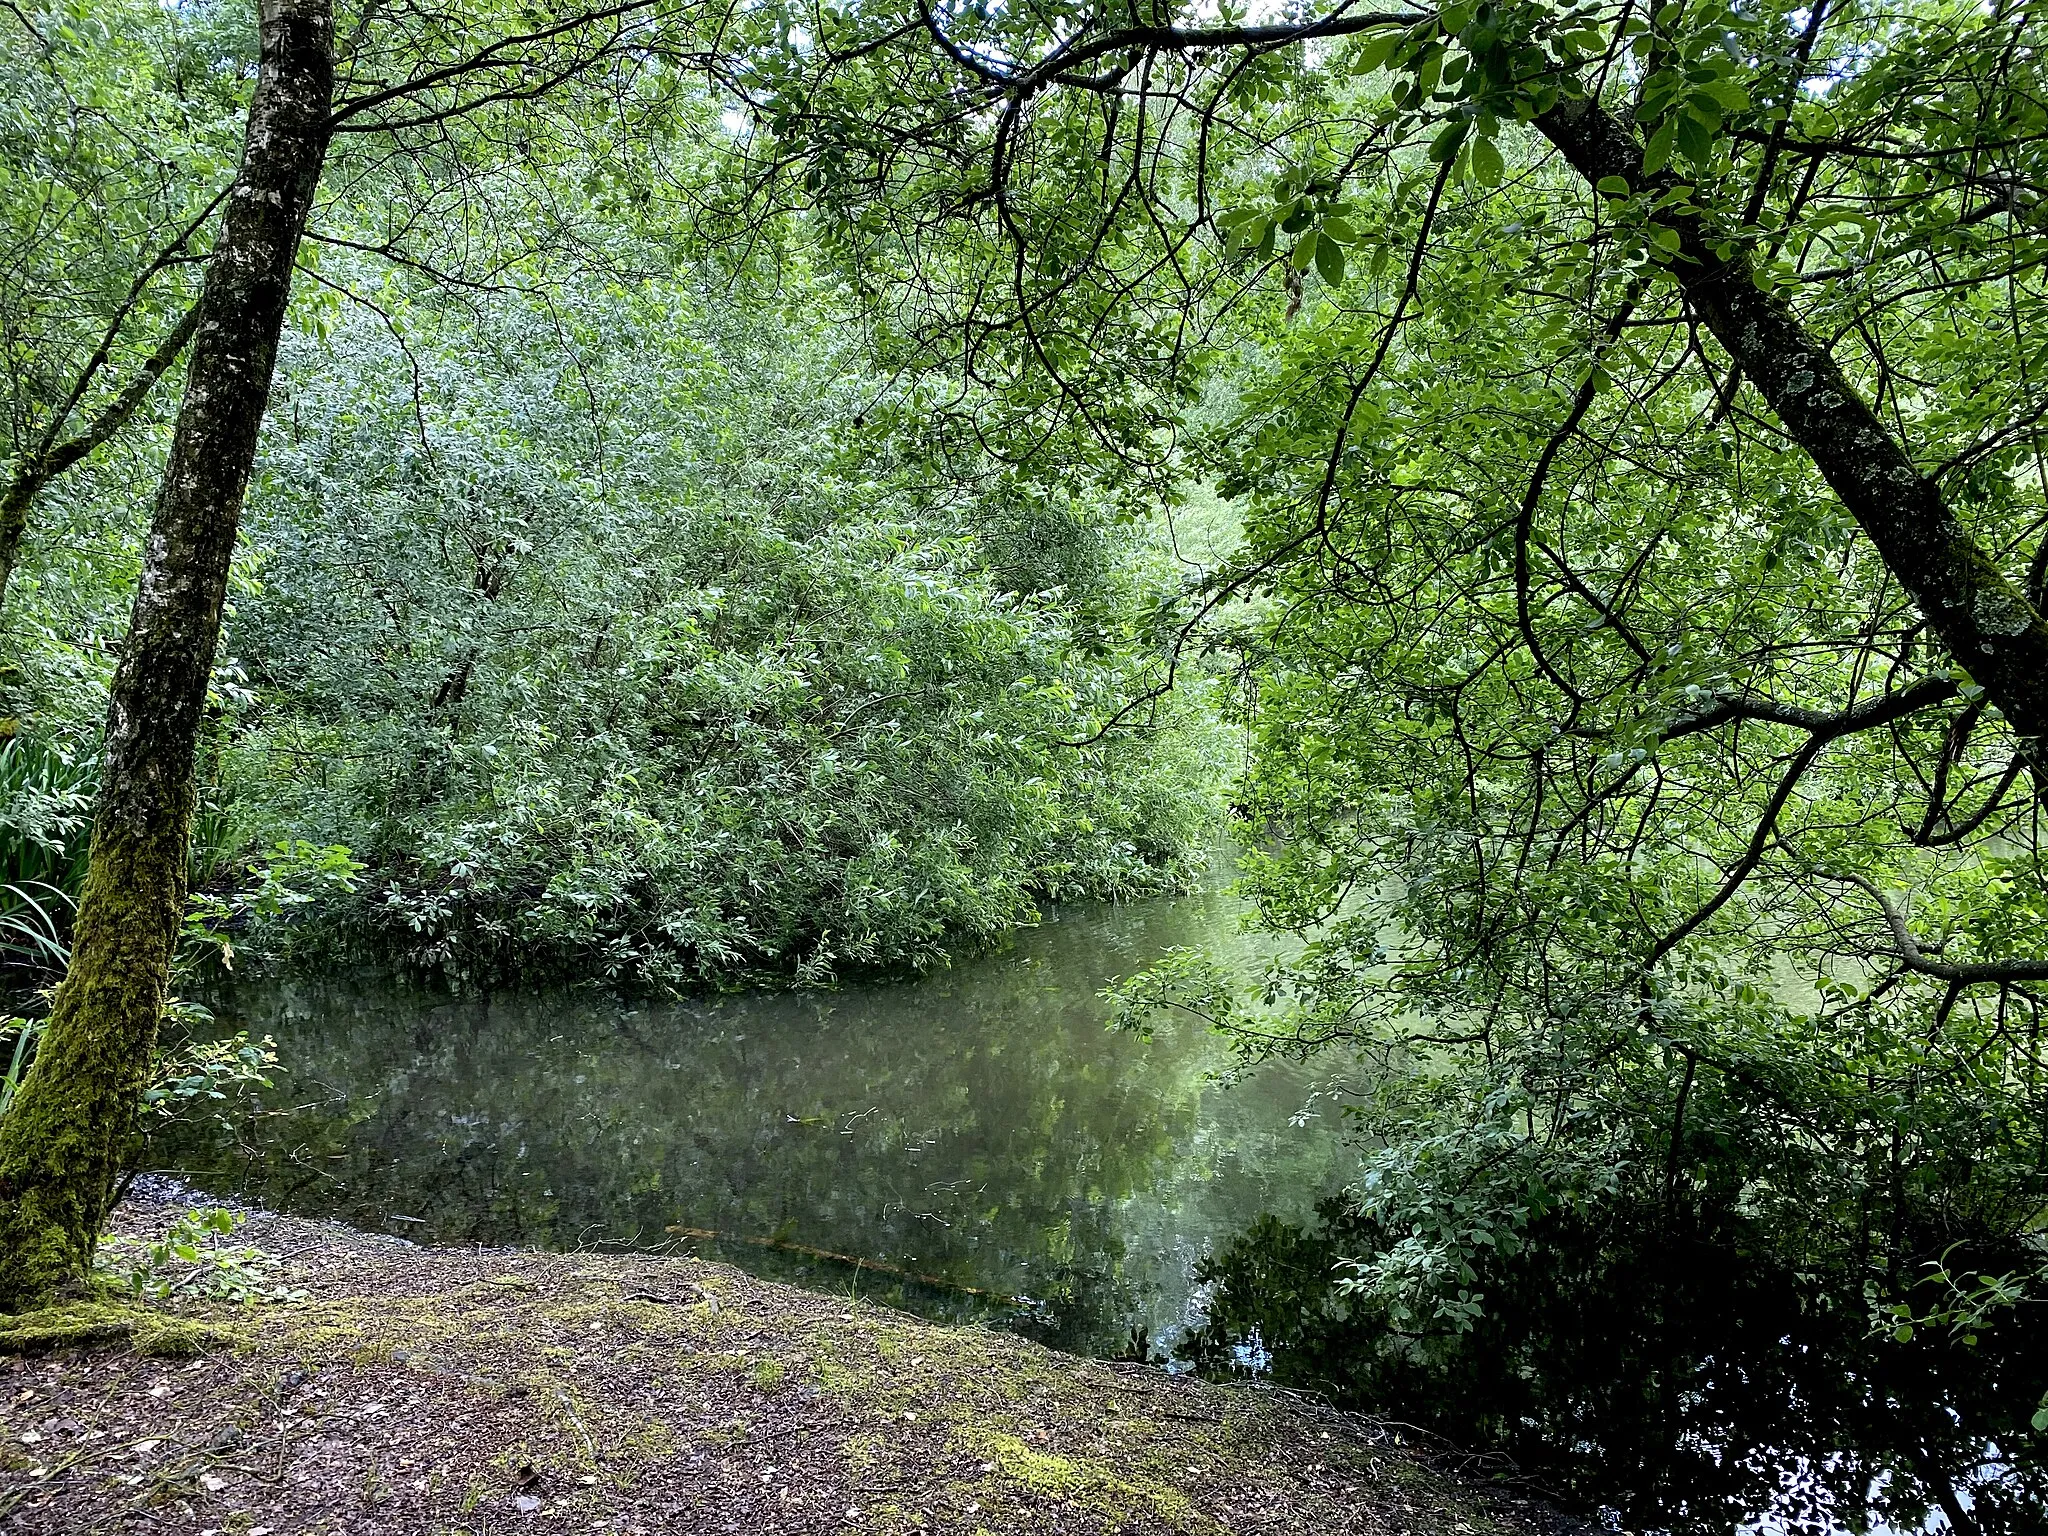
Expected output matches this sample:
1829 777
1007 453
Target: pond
976 1146
974 1143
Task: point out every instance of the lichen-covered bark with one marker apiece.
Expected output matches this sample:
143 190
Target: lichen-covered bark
1980 614
61 1143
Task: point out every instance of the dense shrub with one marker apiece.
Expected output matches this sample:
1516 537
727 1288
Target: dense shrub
609 644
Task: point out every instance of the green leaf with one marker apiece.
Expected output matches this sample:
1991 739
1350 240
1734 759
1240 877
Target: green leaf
1487 166
1428 72
1374 52
1727 94
1694 139
1613 186
1828 217
1330 262
1449 137
1304 252
1658 154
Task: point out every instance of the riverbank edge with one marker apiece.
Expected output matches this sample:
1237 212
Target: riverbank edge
496 1391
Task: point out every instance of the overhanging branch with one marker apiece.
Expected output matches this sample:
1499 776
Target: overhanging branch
1914 958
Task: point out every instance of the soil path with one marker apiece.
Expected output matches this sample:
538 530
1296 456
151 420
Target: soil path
494 1392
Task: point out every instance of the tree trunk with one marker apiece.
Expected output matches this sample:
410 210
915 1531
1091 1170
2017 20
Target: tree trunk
14 504
61 1145
1982 617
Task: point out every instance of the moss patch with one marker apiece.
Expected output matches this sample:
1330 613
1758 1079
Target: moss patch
97 1324
1064 1479
450 1392
68 1325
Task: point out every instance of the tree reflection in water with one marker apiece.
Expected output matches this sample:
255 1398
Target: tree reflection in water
1672 1379
979 1128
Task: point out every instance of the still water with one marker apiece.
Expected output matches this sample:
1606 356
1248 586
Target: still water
977 1146
974 1143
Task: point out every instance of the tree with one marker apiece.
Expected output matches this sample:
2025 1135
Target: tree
1636 417
904 122
599 632
112 164
412 78
61 1144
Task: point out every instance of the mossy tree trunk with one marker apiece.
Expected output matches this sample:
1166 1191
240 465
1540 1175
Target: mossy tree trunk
62 1142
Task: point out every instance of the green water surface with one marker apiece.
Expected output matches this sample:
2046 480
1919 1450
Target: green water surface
972 1143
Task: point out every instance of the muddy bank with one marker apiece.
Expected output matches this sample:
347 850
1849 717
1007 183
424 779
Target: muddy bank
434 1390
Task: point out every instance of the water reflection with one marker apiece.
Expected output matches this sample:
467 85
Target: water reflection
975 1145
1673 1378
944 1143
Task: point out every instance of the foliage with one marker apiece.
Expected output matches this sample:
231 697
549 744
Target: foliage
205 1072
191 1260
119 122
609 643
24 1032
691 654
293 875
710 534
1683 1380
48 796
1675 877
1590 755
194 1075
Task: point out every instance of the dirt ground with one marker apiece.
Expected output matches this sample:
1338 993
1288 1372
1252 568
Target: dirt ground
480 1392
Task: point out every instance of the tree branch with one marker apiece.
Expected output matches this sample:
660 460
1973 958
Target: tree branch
1860 717
1914 958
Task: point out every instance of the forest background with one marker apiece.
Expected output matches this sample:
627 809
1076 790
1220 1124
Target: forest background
715 520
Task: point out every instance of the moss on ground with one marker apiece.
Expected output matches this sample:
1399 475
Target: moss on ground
1009 1461
85 1324
418 1390
66 1325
